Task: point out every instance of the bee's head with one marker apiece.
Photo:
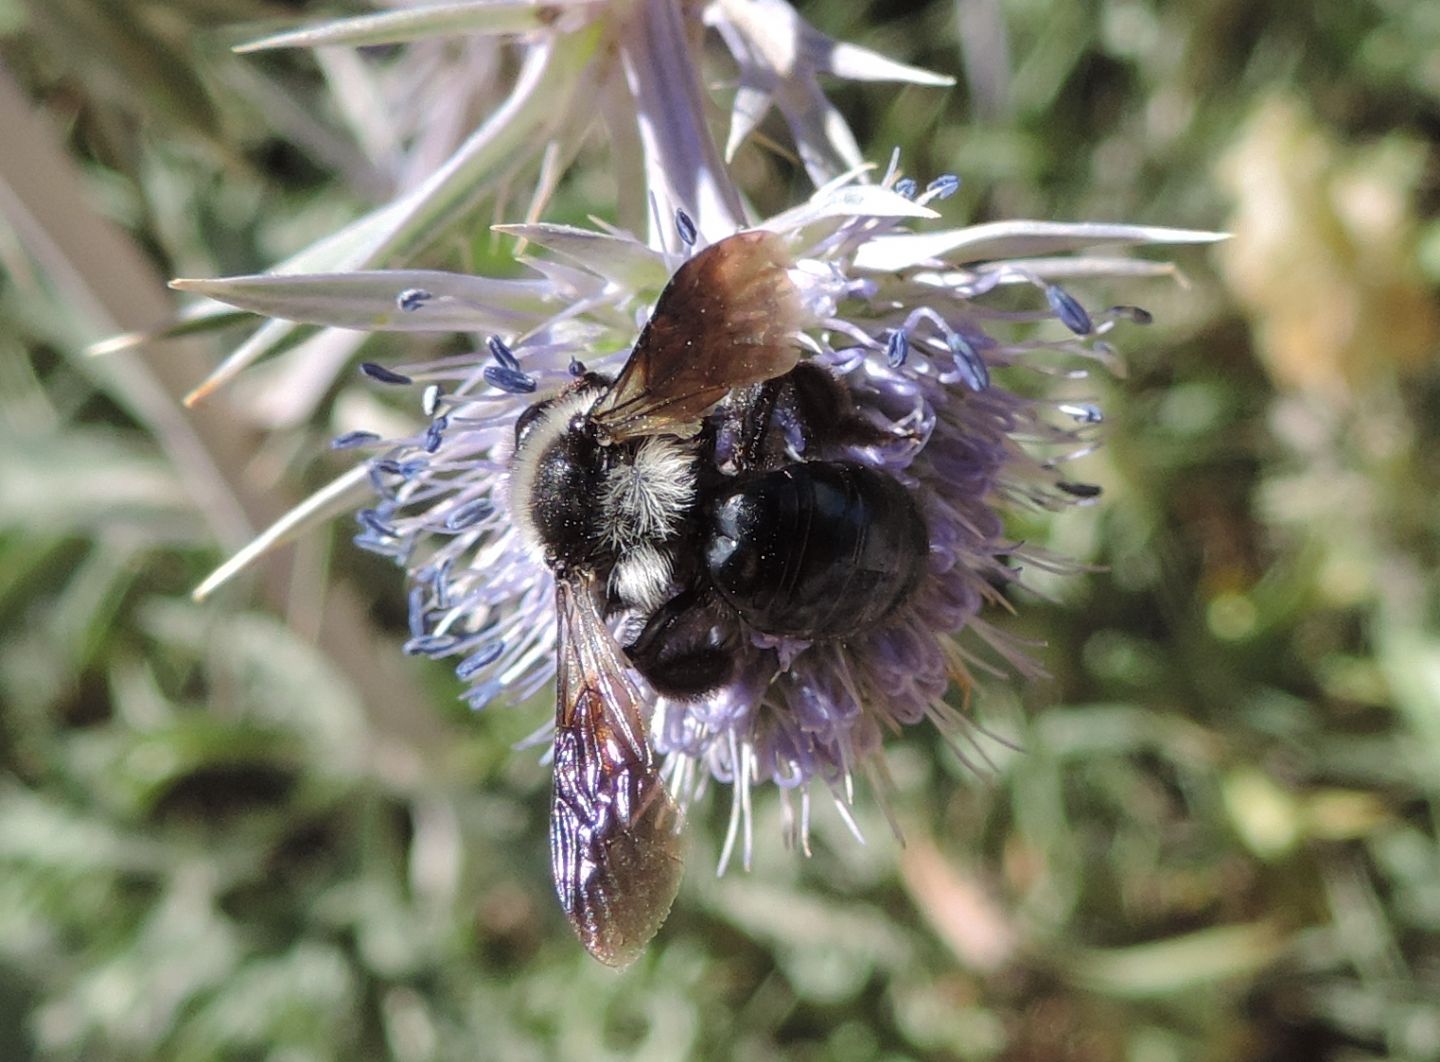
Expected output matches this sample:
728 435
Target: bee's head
557 477
577 397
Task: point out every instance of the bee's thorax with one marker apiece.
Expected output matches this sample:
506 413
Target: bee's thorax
613 509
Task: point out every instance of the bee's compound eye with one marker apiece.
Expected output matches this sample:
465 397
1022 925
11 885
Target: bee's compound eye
527 421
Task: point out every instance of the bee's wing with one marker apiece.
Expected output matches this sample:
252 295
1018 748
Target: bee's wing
727 318
614 845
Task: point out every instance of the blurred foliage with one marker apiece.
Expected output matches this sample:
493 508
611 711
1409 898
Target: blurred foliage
1217 837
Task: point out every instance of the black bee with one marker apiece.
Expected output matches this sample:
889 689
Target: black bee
676 495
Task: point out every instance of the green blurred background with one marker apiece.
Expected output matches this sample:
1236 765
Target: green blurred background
251 829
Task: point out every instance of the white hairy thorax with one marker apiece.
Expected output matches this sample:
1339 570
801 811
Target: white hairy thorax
643 503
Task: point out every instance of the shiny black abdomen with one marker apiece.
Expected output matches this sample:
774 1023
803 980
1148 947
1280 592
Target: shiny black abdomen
816 549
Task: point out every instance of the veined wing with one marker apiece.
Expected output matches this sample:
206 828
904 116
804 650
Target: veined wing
727 318
614 845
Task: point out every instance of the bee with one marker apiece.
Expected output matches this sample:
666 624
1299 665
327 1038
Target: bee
686 498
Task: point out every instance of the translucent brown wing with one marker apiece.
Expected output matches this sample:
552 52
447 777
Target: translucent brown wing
614 846
727 318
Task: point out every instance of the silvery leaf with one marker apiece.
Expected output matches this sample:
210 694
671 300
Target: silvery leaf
625 261
371 301
417 23
1011 239
851 200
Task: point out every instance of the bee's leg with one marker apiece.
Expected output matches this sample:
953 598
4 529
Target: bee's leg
750 426
686 649
786 419
813 408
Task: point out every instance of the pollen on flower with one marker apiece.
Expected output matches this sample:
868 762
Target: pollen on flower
944 186
484 656
501 353
1072 315
897 348
469 514
383 375
973 371
1083 412
685 227
411 299
1135 314
353 439
512 381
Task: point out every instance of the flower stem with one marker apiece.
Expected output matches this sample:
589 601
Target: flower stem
683 166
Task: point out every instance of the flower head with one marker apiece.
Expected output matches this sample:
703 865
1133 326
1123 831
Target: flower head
907 322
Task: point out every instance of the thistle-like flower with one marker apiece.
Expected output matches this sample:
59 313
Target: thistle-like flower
908 322
900 318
